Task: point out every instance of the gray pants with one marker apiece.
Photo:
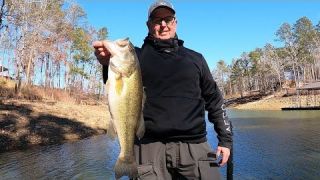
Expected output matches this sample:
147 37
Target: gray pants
175 160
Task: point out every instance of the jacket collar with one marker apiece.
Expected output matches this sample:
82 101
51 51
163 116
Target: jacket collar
169 45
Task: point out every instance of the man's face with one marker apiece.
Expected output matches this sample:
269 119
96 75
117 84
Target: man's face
162 23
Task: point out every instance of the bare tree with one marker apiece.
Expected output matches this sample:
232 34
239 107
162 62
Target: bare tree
275 63
286 35
220 74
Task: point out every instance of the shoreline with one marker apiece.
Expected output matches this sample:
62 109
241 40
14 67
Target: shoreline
272 102
25 124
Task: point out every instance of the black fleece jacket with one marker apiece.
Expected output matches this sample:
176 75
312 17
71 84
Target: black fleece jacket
179 88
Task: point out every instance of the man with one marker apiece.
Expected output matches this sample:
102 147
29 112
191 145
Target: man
179 88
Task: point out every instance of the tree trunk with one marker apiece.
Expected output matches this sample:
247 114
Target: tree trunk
66 76
313 73
294 74
230 88
41 71
47 81
59 75
280 83
241 87
28 73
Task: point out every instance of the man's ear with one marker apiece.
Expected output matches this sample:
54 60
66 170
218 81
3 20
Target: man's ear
148 23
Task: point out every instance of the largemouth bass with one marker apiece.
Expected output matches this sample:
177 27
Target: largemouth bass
125 96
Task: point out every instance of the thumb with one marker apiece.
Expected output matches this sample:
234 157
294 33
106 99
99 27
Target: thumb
97 44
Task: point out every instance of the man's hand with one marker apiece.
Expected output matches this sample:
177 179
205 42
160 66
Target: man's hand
101 52
225 155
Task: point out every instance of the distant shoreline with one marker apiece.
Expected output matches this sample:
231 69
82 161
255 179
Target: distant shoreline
272 102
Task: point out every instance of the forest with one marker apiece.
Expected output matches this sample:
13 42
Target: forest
271 69
48 43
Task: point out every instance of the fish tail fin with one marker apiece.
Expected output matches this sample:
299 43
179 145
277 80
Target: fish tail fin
126 167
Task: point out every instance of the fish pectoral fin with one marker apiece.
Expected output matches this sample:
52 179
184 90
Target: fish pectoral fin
141 128
118 76
119 86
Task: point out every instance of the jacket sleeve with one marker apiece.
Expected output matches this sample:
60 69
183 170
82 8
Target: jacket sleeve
104 73
214 104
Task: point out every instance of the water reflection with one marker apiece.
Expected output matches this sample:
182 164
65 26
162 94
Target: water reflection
276 145
268 145
87 159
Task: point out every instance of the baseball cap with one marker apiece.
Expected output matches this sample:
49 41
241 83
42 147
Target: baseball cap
160 3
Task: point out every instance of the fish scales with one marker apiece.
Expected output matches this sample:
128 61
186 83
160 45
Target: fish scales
125 96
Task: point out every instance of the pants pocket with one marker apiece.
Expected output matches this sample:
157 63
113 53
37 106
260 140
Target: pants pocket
146 172
208 169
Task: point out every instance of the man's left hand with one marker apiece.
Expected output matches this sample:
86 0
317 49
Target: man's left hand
225 155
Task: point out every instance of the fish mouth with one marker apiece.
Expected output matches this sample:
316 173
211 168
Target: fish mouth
110 47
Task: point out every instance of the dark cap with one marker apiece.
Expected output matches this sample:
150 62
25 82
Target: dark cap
160 3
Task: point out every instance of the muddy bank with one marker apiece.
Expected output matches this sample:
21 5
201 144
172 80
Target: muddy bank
24 123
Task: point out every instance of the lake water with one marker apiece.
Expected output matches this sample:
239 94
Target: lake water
267 145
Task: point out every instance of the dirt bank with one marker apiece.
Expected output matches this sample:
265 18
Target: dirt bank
25 123
276 103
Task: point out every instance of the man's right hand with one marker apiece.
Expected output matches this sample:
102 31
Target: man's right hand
101 52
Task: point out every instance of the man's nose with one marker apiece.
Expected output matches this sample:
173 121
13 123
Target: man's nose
163 23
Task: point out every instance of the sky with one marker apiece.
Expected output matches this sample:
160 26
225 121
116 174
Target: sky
218 29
